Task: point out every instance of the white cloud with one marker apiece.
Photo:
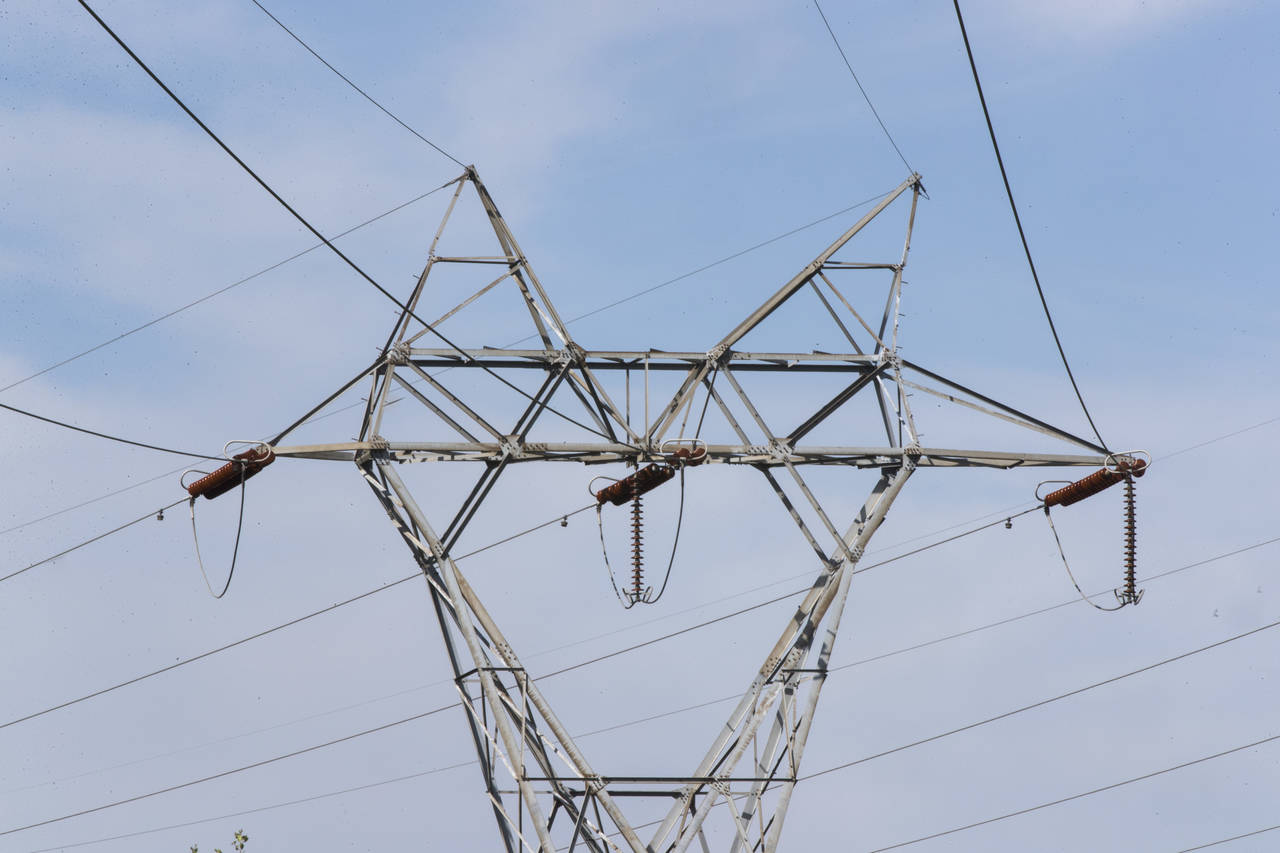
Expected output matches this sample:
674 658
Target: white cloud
1111 21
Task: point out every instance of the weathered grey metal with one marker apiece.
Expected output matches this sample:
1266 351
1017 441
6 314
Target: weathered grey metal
633 359
733 454
523 748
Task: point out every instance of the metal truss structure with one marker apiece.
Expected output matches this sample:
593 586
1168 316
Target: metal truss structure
544 792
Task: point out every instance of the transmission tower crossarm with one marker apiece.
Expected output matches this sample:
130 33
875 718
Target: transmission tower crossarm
1028 419
544 793
733 454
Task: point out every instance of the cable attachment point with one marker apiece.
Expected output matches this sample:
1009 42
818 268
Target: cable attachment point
637 591
1117 468
680 452
629 490
398 354
239 468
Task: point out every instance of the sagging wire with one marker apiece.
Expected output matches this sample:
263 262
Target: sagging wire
1117 468
218 482
677 453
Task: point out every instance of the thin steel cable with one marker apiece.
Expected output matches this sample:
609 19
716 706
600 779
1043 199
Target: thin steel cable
307 224
882 656
90 501
644 292
1079 796
865 96
77 547
1232 838
347 80
235 549
225 773
243 640
1026 248
675 543
220 291
641 645
209 653
296 802
1207 442
1043 702
827 771
1063 554
635 647
107 436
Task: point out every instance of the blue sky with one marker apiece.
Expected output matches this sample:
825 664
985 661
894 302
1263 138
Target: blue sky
628 145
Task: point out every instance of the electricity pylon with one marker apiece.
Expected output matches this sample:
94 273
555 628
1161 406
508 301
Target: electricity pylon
544 792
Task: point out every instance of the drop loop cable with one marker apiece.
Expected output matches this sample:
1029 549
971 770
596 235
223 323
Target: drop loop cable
235 550
1087 600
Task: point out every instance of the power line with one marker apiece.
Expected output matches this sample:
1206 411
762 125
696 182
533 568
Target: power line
77 547
204 655
1232 838
1207 442
829 770
90 501
296 802
882 656
723 260
713 621
865 96
407 578
220 291
347 80
308 419
230 772
1079 796
327 242
1026 248
107 436
259 634
627 649
1058 606
1043 702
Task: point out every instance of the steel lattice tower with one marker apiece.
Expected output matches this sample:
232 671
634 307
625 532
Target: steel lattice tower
544 792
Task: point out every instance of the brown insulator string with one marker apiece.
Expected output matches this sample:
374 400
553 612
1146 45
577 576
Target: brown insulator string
1131 595
637 543
1120 469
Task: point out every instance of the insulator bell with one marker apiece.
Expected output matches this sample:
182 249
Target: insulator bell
229 476
644 480
1096 482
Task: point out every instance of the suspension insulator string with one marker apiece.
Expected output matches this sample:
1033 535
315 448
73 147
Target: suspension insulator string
235 550
678 454
637 543
1119 468
1131 594
238 469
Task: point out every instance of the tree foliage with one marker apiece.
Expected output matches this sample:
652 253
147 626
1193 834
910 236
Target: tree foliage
238 843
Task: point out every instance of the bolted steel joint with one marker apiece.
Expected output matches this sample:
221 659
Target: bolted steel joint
398 354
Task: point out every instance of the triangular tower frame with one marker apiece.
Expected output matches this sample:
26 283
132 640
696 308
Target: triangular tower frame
544 793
